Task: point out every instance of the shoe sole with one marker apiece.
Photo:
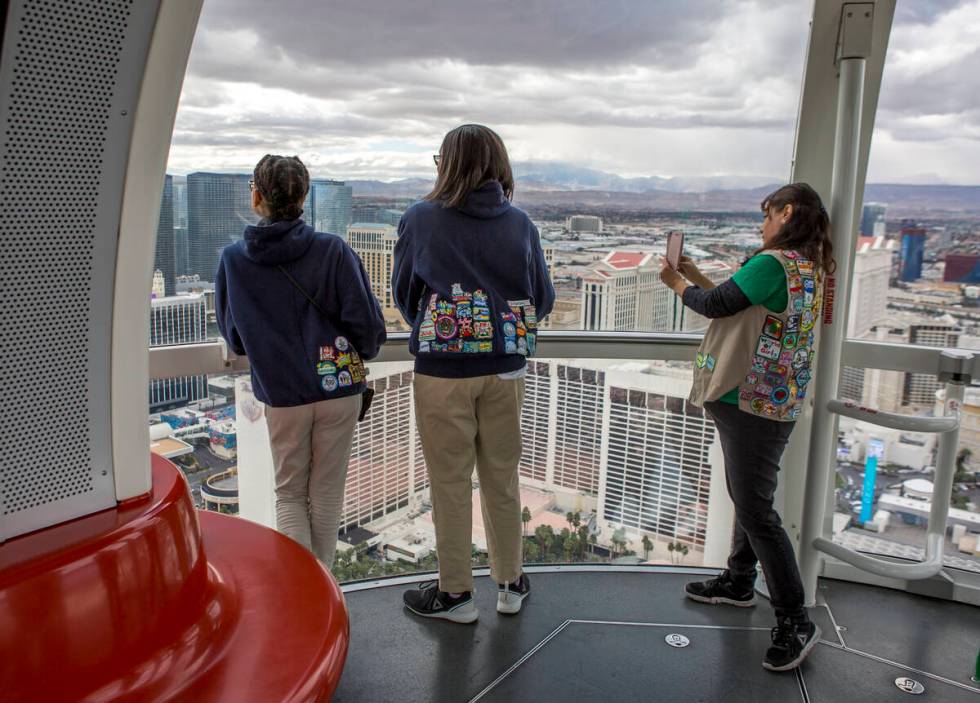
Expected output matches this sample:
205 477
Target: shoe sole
800 657
463 618
505 608
718 600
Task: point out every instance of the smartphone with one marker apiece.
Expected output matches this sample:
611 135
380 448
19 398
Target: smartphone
675 247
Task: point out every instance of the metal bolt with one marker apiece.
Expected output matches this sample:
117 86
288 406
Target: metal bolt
105 473
123 113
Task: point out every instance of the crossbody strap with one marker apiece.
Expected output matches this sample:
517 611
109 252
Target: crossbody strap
302 290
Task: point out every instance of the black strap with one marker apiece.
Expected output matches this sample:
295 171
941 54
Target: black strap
302 290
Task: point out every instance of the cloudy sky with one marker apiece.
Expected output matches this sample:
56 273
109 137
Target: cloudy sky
634 87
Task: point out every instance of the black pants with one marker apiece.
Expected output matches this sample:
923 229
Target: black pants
752 447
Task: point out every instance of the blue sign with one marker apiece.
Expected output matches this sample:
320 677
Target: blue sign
874 450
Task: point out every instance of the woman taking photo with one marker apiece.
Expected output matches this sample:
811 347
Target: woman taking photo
470 278
299 304
751 375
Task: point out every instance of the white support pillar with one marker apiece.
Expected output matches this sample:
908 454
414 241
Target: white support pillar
854 46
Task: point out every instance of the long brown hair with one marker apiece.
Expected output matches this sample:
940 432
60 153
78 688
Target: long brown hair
470 156
808 229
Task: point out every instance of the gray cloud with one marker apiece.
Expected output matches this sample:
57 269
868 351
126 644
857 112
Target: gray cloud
325 76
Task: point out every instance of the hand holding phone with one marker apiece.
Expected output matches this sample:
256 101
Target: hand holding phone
675 248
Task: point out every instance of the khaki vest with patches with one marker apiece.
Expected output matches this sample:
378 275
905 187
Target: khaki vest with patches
768 356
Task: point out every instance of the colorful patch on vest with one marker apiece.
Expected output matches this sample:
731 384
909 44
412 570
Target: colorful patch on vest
329 383
345 379
709 362
699 360
789 341
791 255
780 395
777 369
466 316
773 327
446 327
802 378
805 267
793 323
326 367
342 344
786 358
795 284
768 348
759 364
763 389
807 320
798 304
343 360
327 354
757 404
800 358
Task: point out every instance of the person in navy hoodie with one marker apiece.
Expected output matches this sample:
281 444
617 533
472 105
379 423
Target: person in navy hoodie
470 278
298 303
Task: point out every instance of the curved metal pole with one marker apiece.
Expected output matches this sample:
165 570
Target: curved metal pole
942 490
823 437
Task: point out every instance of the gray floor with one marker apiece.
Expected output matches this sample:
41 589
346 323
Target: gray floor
600 637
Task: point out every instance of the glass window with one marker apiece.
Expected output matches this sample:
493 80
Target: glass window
916 281
623 122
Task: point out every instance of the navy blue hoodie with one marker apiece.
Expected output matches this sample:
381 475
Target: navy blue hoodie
297 355
473 284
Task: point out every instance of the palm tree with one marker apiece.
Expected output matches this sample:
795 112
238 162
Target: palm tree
647 546
525 518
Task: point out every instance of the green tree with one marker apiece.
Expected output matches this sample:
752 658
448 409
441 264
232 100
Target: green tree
532 552
647 547
525 518
546 539
962 459
618 542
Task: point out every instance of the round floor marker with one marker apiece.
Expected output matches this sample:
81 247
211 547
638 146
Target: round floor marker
908 685
675 640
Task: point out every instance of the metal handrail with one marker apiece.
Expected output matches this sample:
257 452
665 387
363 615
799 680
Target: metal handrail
948 429
212 357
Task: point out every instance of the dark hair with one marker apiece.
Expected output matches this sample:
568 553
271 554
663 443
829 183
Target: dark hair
470 156
283 182
808 229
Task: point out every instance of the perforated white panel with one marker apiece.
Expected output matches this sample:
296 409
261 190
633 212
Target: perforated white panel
65 90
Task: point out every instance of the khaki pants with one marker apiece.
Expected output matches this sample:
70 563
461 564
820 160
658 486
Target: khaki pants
310 449
462 422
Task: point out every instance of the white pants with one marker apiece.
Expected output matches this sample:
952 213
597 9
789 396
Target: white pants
310 449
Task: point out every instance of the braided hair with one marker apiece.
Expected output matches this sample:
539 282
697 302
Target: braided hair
283 182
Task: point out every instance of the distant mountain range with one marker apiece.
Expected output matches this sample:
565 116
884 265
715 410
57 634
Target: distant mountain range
555 183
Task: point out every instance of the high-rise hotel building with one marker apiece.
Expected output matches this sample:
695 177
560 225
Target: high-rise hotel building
180 319
219 206
375 244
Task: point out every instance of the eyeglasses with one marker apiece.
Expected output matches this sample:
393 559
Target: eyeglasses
437 158
251 185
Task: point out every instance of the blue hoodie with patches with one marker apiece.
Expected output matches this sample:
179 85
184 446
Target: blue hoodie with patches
297 354
473 284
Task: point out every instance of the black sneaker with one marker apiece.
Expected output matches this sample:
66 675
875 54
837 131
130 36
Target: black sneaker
511 596
720 590
429 602
791 643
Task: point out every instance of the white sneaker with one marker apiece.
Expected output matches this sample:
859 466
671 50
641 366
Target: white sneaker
511 596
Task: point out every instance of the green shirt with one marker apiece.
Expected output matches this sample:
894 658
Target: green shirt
763 281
